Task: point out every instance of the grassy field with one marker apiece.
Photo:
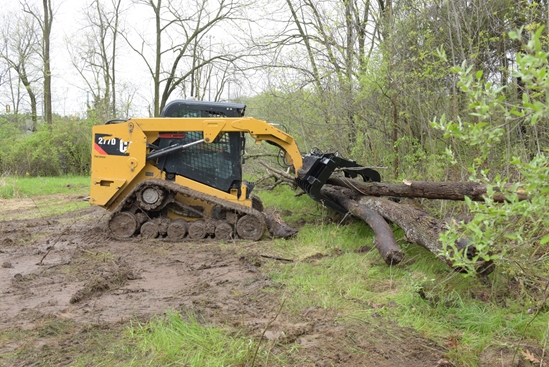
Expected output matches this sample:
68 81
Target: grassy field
34 197
27 187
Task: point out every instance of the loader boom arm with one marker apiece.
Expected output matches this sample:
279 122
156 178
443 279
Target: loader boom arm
211 127
136 137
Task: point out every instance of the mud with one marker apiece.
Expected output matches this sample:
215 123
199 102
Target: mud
67 268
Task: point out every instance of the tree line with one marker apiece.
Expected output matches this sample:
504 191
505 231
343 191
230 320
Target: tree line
365 78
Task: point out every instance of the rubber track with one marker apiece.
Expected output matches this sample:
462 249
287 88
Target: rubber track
178 189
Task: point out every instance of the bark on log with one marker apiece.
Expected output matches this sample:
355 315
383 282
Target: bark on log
385 240
424 189
277 226
419 226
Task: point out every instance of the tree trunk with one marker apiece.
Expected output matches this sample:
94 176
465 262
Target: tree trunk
424 189
32 96
385 240
46 28
419 226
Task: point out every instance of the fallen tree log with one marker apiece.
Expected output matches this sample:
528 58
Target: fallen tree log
385 241
419 227
424 189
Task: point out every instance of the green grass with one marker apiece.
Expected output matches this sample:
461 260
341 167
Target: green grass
174 340
81 345
38 197
30 187
295 207
358 287
170 340
421 292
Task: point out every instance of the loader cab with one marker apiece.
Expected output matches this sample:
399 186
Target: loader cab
218 164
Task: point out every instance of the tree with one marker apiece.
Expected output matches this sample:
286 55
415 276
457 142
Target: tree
21 46
44 19
95 58
418 84
323 46
176 55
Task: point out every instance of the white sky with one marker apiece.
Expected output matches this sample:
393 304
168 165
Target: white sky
71 90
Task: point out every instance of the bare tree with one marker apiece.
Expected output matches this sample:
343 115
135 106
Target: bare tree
176 55
44 19
323 46
21 47
95 58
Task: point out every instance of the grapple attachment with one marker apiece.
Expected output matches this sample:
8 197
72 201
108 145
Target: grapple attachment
317 169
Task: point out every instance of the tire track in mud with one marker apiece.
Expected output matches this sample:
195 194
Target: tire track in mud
89 277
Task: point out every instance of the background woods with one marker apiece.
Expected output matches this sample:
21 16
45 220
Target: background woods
370 70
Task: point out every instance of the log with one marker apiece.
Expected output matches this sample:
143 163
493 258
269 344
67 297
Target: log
419 227
424 189
276 225
385 241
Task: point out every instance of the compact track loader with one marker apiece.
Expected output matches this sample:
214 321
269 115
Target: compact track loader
180 175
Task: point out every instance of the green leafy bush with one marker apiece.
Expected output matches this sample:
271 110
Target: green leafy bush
63 148
513 234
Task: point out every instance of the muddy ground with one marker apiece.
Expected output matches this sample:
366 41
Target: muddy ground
67 268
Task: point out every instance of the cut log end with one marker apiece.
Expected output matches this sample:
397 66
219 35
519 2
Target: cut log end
393 257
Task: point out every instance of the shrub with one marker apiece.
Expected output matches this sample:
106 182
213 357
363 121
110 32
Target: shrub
512 234
63 148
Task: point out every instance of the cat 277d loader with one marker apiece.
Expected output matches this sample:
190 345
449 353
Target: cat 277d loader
180 175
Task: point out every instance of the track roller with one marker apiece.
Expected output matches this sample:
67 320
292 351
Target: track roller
224 231
197 230
149 230
177 229
123 224
250 228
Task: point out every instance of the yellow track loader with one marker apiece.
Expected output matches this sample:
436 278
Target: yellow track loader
180 175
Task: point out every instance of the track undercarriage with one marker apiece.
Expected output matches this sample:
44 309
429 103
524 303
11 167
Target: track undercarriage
158 208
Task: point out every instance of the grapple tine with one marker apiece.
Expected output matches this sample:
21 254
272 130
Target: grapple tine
317 169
